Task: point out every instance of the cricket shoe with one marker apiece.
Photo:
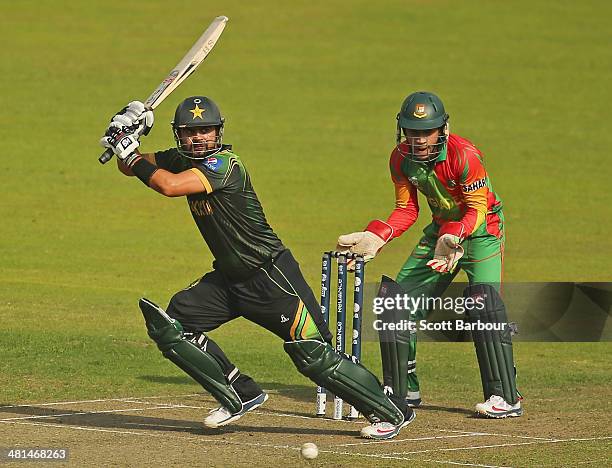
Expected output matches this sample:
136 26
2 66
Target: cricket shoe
497 407
413 399
386 430
222 416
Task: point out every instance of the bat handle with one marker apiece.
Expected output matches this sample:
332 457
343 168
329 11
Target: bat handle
106 156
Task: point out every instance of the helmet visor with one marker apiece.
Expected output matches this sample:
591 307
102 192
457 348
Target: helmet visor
421 146
198 142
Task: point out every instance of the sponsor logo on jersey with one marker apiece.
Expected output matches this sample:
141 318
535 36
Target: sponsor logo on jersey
419 111
212 163
200 207
475 185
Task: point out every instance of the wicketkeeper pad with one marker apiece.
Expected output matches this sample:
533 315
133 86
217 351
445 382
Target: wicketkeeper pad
200 365
349 380
394 344
493 347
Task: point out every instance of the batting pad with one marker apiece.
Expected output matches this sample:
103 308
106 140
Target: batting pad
350 381
198 364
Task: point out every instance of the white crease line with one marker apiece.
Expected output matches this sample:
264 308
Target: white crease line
252 444
140 402
312 418
453 449
81 413
367 455
448 462
224 442
175 405
589 462
65 426
148 434
165 406
162 425
394 457
395 441
99 400
499 435
383 456
200 439
263 413
583 439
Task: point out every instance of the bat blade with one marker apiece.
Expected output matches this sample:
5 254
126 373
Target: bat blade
192 59
198 52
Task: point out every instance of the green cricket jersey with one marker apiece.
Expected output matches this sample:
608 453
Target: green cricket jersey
229 214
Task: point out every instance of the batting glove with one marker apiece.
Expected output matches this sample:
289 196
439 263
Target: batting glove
122 141
135 115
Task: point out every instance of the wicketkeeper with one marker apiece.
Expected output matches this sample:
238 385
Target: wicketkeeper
466 232
254 275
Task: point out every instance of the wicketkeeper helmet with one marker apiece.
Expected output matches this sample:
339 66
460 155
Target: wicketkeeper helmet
422 111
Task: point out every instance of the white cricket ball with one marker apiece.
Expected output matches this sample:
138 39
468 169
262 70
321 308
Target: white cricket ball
310 451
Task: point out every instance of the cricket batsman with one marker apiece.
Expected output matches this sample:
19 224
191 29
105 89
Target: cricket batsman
253 275
466 232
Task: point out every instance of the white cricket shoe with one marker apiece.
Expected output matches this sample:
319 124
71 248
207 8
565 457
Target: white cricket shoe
497 407
386 430
222 416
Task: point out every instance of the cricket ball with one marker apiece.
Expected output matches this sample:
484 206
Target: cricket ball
310 451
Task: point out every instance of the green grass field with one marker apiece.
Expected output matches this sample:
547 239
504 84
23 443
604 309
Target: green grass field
310 91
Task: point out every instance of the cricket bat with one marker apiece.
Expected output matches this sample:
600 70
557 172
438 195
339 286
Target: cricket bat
183 69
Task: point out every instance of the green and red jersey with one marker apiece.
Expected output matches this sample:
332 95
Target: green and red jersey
228 214
456 186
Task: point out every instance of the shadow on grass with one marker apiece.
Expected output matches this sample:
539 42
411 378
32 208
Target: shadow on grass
447 409
118 421
294 392
167 379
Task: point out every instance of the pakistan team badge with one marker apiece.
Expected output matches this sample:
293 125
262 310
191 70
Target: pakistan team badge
197 112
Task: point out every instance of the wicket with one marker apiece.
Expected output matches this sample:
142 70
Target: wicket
343 259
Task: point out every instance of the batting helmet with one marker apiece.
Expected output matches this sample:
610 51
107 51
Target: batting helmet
197 111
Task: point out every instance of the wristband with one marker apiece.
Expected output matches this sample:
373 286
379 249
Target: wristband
130 159
381 229
455 228
144 170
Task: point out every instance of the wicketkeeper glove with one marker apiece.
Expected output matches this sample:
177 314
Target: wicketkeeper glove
366 243
122 141
448 249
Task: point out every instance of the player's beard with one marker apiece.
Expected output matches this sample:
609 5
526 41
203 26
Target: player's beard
199 149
